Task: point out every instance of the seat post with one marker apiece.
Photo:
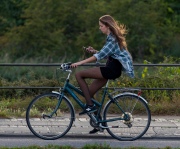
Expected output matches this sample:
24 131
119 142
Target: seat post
107 83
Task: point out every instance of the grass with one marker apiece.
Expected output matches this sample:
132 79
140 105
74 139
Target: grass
16 107
13 107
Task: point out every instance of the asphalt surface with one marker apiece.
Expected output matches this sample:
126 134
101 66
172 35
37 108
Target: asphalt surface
161 127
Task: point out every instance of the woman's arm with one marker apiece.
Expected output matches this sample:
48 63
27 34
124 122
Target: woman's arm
90 59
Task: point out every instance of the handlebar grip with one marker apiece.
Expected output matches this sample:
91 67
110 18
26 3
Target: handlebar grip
65 66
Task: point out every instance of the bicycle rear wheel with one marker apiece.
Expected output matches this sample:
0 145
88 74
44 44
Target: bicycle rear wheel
42 124
139 117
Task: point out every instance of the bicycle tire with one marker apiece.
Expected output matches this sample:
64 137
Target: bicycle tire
49 128
139 117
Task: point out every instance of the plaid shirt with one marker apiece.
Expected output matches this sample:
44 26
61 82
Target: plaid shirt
111 48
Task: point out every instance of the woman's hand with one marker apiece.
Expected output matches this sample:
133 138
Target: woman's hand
74 65
91 50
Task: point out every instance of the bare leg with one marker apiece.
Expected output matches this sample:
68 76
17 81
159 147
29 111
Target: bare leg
93 73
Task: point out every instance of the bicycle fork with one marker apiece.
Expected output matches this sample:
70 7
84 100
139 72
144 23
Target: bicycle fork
60 96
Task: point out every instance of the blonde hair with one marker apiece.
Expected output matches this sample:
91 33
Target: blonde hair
118 30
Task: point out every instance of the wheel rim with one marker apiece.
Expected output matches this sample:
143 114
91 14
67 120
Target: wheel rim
138 122
45 127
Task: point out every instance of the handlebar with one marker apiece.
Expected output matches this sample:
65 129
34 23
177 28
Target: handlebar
65 66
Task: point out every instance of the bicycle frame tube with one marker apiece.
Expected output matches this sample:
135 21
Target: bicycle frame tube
70 88
57 106
111 120
102 101
112 99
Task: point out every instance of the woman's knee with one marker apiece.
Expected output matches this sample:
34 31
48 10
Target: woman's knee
78 75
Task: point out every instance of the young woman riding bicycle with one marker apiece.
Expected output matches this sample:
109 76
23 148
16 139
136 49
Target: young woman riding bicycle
118 60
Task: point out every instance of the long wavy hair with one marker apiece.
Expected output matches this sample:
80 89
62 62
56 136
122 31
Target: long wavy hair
118 30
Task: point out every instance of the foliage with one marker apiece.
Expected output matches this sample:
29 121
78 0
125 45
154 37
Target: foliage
162 101
154 77
53 29
10 14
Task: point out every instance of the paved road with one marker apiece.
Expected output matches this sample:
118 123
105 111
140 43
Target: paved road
161 126
163 131
81 141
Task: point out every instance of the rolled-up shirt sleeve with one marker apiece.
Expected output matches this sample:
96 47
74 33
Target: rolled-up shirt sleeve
106 51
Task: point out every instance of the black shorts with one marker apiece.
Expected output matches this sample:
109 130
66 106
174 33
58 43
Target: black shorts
112 70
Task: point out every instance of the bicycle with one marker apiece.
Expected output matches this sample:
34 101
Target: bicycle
125 116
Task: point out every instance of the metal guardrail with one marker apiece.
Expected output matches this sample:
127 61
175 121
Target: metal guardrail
111 88
89 64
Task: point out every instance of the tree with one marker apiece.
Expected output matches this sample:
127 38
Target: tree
10 14
57 29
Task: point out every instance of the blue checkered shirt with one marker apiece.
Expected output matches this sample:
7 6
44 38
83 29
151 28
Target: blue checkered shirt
111 48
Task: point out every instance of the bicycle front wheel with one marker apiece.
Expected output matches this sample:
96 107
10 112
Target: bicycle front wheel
137 119
44 121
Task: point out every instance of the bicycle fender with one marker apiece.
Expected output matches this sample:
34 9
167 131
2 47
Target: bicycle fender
131 94
74 117
56 92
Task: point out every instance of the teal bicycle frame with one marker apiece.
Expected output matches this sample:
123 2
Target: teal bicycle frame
125 110
69 88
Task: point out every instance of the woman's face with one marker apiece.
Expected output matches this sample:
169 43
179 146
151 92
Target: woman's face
104 29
